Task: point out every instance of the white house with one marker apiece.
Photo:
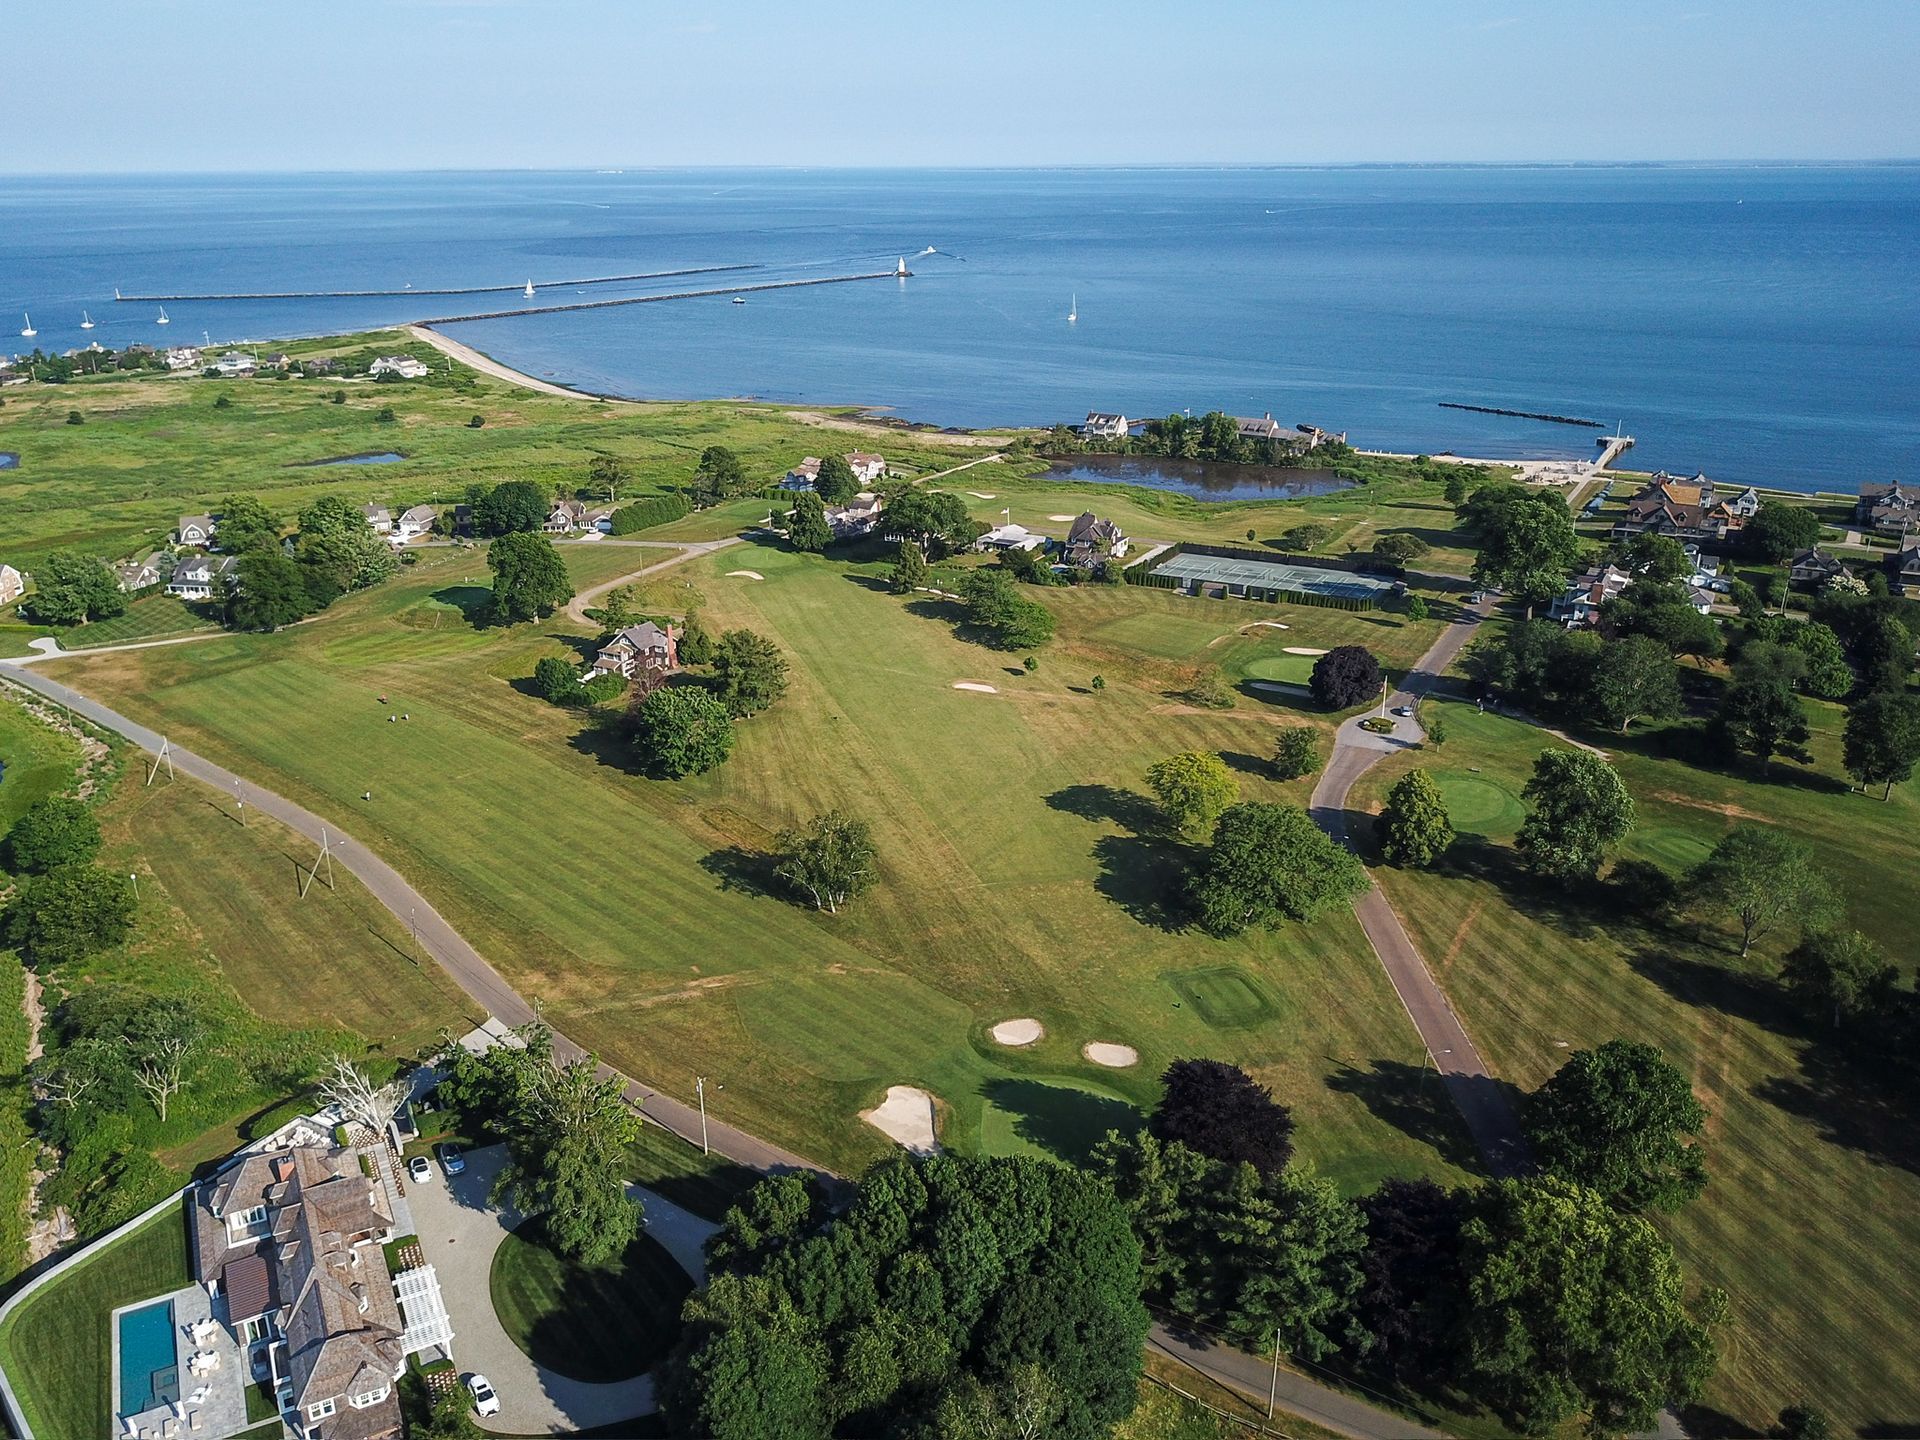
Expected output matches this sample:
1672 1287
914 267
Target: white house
197 530
202 577
1010 537
1104 425
235 363
802 476
866 466
379 519
12 584
857 517
138 574
182 357
1579 605
414 522
404 367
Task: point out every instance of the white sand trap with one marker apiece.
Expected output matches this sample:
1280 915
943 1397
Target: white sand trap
746 574
1114 1057
1303 650
982 495
1017 1032
906 1118
1267 624
975 685
1063 517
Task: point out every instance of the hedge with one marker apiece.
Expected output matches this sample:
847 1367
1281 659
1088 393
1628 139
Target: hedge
647 513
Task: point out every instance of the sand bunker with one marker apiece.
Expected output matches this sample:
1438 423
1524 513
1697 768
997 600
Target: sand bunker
1063 517
975 685
1023 1031
1267 624
1114 1057
1303 650
982 495
906 1118
746 574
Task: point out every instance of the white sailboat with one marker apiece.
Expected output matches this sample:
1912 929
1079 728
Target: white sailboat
1073 310
86 321
163 320
529 290
29 332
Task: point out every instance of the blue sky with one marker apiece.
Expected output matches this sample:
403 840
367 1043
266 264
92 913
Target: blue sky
140 85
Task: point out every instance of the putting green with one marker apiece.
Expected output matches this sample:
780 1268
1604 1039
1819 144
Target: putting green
1293 669
1055 1116
1224 996
1479 806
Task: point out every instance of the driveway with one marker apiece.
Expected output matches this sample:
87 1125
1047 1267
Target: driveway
459 1231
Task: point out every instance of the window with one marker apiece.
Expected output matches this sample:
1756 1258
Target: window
320 1411
372 1397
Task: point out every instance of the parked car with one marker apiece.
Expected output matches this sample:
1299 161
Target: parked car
1403 710
451 1160
418 1170
485 1402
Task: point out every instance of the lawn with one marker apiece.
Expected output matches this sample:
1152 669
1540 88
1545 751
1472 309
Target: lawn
154 617
597 1323
57 1347
1811 1219
1021 873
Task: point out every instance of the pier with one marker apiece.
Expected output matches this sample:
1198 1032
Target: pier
1612 447
451 290
900 274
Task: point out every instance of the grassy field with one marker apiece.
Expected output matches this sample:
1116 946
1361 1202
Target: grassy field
598 1323
1021 871
1811 1219
61 1335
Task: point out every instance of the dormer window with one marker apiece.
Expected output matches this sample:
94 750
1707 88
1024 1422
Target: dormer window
320 1410
372 1397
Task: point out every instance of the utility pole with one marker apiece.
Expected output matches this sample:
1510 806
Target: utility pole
1273 1390
413 928
241 801
700 1089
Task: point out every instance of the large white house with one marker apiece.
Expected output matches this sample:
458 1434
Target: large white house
379 519
414 522
182 357
235 363
12 584
202 577
404 367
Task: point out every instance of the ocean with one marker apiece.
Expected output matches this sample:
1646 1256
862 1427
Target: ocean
1760 323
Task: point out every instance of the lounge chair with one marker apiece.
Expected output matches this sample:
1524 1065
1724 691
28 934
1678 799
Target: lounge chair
193 1420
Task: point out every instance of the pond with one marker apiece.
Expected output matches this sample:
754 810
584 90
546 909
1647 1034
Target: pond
1200 479
372 457
9 459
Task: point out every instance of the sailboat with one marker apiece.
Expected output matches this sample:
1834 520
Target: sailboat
163 320
739 299
529 290
1073 310
86 321
29 332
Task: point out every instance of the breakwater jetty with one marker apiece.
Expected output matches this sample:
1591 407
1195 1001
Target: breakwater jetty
436 290
1525 415
655 299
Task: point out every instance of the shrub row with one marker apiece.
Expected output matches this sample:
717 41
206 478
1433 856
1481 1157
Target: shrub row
647 513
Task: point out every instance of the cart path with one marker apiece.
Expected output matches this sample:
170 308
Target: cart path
577 607
1480 1098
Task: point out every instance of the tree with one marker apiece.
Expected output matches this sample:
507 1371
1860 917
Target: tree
270 592
681 730
69 587
1882 742
1635 678
529 579
68 913
1296 752
1778 529
1659 557
1013 622
938 520
1223 1113
696 645
606 472
751 671
1619 1120
1803 1422
1345 676
1193 788
246 524
807 528
1760 715
1454 492
568 1144
830 858
1410 1299
162 1041
338 547
619 608
514 507
1759 877
1882 652
1401 547
1268 863
1414 827
910 570
834 482
558 680
54 832
1527 542
1416 609
1842 974
1572 1306
1580 809
361 1102
718 476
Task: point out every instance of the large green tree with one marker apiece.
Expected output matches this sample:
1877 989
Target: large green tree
69 587
1579 810
1759 714
339 549
835 483
1225 1114
1621 1121
1296 752
530 580
1882 739
807 528
1778 529
937 520
718 476
68 913
269 592
513 507
830 859
1635 679
1270 863
1193 788
1841 974
56 831
910 569
568 1138
246 524
1527 542
1760 877
681 730
1414 828
749 671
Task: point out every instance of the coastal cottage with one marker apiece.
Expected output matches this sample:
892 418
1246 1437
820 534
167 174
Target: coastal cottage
182 357
397 367
12 584
565 518
1104 425
647 651
132 575
1091 539
1888 507
1814 568
414 522
1264 428
802 476
196 530
235 364
379 519
1578 606
857 517
1683 509
317 365
866 466
1010 537
1745 505
1905 568
203 577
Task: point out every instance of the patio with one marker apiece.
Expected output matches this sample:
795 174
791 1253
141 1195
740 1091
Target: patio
210 1375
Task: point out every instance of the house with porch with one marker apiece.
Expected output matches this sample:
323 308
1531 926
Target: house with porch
203 577
235 364
415 522
857 517
867 467
397 367
132 575
1683 509
378 517
566 517
1091 539
1888 507
802 476
1815 569
1578 606
644 651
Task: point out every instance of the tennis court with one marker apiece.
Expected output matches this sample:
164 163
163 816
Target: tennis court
1263 579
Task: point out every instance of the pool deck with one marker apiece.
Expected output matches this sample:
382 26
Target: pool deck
223 1411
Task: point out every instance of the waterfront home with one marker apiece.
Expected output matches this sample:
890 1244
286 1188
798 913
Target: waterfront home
1888 506
1264 428
414 522
398 367
1104 425
1745 505
203 577
1091 539
1578 606
182 357
12 584
867 467
645 651
1010 537
196 530
1814 568
278 360
565 518
132 575
317 365
802 476
1905 568
379 519
857 517
235 364
1683 509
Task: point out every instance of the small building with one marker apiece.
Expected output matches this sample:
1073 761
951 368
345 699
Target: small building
278 360
857 517
183 357
1264 428
802 476
599 521
317 365
565 518
1578 606
866 466
1745 505
645 651
1814 568
1092 539
139 574
196 530
1904 568
203 577
414 522
1888 507
1104 425
400 367
12 584
235 364
379 519
1010 537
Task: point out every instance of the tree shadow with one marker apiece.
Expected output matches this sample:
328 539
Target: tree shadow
932 607
1246 764
604 741
474 602
1061 1120
1705 985
1703 1422
605 1323
1412 1099
1577 907
1146 877
742 871
1847 1106
1126 808
876 583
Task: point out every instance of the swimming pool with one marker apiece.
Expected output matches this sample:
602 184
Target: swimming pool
149 1362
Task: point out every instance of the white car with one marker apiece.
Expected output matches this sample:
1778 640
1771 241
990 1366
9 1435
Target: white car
418 1170
485 1402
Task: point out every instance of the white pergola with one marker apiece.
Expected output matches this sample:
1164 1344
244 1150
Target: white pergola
425 1313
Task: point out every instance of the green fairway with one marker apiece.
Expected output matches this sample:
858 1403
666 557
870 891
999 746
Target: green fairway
1059 1117
156 617
597 1323
1225 996
1290 669
1812 1190
1019 874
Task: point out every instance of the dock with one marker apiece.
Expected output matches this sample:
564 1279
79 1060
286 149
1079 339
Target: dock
673 295
1612 447
447 290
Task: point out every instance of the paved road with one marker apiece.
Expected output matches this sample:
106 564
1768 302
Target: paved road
1481 1100
1294 1394
577 607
